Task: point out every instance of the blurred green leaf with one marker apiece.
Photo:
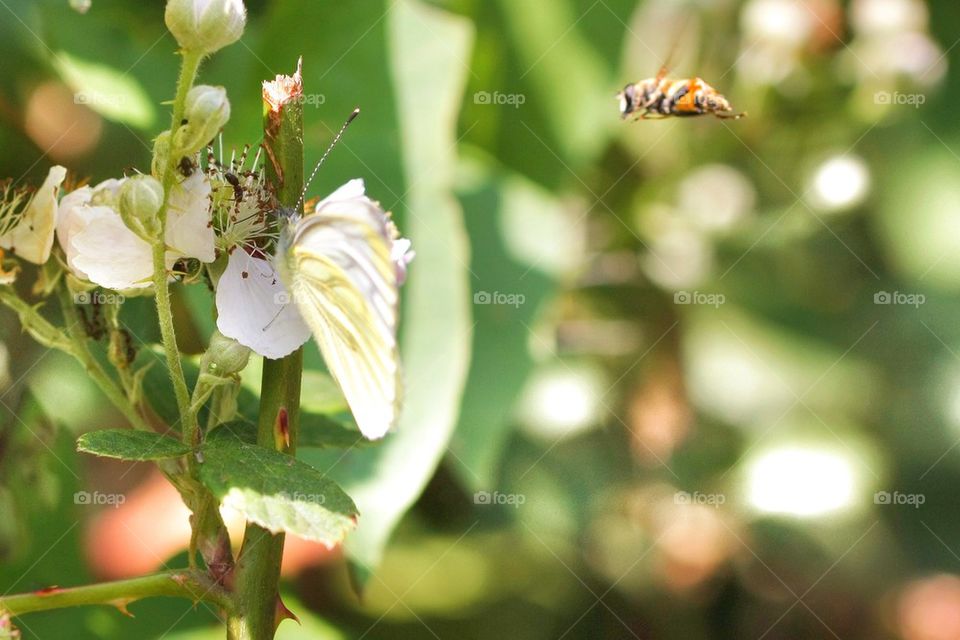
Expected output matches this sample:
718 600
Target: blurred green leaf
127 444
428 51
501 359
114 95
276 491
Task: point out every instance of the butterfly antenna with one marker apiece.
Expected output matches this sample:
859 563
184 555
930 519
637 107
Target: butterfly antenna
326 153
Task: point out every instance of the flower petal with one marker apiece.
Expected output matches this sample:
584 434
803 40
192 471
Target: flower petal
108 253
32 239
255 309
189 232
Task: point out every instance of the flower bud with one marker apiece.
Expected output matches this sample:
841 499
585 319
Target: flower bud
205 25
141 198
225 357
207 110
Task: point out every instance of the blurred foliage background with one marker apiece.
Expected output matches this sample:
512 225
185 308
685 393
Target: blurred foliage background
679 379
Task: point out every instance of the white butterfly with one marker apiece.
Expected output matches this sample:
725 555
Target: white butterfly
340 269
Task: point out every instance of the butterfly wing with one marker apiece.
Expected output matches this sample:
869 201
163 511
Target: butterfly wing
345 286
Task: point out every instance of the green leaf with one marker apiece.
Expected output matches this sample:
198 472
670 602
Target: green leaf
428 49
111 93
127 444
502 212
276 491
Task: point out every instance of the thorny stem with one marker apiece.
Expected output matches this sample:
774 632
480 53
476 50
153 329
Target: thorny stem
192 585
258 564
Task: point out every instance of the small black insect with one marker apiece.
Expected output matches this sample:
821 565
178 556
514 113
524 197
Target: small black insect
187 166
235 183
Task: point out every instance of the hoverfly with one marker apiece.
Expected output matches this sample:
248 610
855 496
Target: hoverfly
662 97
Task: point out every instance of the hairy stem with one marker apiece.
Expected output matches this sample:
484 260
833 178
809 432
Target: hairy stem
258 565
183 584
188 72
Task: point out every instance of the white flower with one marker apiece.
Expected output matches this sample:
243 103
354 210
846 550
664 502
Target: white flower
189 231
100 248
32 237
254 308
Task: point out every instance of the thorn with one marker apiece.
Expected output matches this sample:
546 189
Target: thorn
283 613
283 427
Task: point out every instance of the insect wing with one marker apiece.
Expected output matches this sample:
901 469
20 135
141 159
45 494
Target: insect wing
345 286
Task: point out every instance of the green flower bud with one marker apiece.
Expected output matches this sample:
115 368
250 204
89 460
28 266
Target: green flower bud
205 25
141 198
225 357
207 110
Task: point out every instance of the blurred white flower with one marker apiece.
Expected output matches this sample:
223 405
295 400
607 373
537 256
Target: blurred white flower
842 182
32 236
100 248
715 197
877 17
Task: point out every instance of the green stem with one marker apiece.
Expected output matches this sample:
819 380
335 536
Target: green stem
188 72
78 340
192 585
258 564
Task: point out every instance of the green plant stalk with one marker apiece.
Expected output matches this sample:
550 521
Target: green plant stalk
258 564
192 585
188 73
